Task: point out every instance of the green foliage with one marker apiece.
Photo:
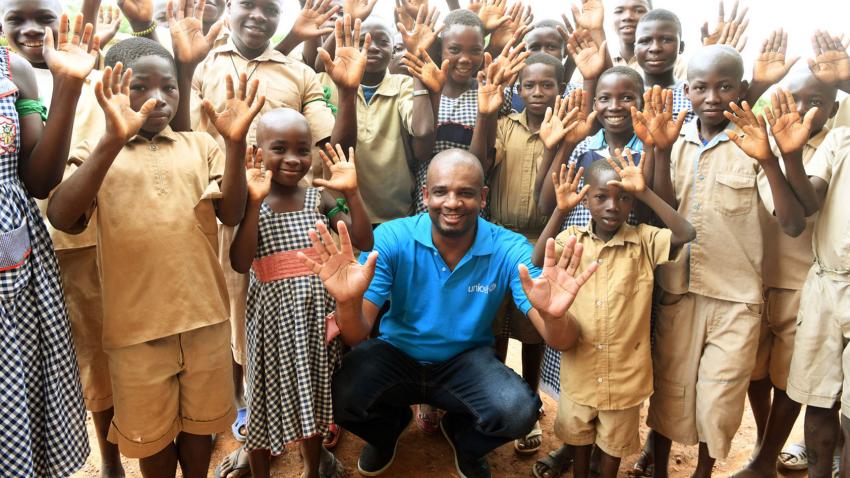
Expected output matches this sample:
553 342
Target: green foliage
761 104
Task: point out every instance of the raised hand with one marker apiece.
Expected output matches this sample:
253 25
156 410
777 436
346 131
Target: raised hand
589 57
239 110
75 54
771 66
831 64
513 31
632 178
591 16
187 35
641 130
582 122
557 122
113 95
401 15
259 181
554 291
491 93
493 14
567 195
108 23
474 6
424 68
755 142
347 67
138 12
657 118
358 9
789 130
315 13
510 62
729 31
424 32
344 278
411 7
343 175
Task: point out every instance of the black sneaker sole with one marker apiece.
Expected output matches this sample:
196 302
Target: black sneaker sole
385 468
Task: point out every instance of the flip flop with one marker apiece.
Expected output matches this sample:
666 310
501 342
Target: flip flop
793 457
519 443
238 464
428 422
836 466
331 438
240 423
555 464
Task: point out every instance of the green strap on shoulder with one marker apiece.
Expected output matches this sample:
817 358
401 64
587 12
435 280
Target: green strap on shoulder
341 206
327 94
28 106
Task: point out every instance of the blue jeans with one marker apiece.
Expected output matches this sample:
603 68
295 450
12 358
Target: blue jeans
487 404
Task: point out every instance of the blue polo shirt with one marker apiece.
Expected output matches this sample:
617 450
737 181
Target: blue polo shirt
436 313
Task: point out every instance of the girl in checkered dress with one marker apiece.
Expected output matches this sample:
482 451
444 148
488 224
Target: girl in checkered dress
42 429
291 353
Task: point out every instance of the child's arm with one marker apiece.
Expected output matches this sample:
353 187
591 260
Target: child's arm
44 147
632 180
259 183
308 25
344 179
191 46
232 123
568 196
139 15
74 196
426 77
346 70
770 66
831 64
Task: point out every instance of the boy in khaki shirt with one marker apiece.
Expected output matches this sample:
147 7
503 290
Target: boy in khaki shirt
608 373
709 314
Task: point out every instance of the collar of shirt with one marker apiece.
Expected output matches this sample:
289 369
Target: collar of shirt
389 86
480 246
597 142
690 132
166 133
626 233
270 54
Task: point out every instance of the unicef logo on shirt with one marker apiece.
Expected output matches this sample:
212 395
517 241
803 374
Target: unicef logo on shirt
481 288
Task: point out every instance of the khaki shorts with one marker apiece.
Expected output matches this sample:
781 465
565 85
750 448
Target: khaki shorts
179 383
704 354
776 337
614 431
512 323
237 291
81 282
823 332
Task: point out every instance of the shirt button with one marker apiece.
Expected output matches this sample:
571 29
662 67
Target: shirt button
600 260
444 269
599 379
701 177
154 147
600 302
600 346
696 207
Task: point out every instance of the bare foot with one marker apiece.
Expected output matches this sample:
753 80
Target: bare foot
752 470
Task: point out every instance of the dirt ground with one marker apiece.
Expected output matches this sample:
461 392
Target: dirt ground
425 456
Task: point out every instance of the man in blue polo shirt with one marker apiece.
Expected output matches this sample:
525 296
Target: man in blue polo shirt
445 274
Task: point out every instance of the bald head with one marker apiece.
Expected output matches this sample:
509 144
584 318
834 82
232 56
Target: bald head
799 79
456 162
719 59
277 120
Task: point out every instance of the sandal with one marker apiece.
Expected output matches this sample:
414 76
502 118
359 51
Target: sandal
332 436
793 457
234 465
554 464
240 425
836 466
427 418
532 442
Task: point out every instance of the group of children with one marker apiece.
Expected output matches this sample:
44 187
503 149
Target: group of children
179 173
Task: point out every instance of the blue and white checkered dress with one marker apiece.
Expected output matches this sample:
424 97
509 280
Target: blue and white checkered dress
42 417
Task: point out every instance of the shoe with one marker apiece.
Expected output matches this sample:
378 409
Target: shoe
374 461
466 467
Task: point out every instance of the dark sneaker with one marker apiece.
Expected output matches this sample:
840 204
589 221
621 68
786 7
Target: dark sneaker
466 467
374 461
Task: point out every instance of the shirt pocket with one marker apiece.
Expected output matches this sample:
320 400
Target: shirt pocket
733 193
15 250
626 277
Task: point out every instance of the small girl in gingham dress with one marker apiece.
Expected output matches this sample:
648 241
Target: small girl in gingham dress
291 349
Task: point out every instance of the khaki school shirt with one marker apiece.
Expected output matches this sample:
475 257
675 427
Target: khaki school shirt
610 368
716 190
518 155
383 153
157 237
284 82
787 259
831 240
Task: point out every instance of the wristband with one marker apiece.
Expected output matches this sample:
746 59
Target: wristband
28 106
341 206
147 31
421 92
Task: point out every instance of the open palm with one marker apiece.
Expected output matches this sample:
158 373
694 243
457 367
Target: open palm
187 34
554 291
113 95
631 175
238 110
76 51
343 173
259 181
567 195
790 131
344 278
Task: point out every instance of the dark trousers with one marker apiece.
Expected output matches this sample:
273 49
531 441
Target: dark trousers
487 404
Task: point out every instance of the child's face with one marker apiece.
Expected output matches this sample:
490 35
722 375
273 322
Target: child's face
381 51
626 15
287 150
538 87
395 63
155 77
25 23
809 93
615 95
609 206
657 46
545 40
463 46
253 22
711 91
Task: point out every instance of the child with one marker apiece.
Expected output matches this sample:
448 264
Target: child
545 37
41 400
166 338
786 261
709 314
289 367
608 374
